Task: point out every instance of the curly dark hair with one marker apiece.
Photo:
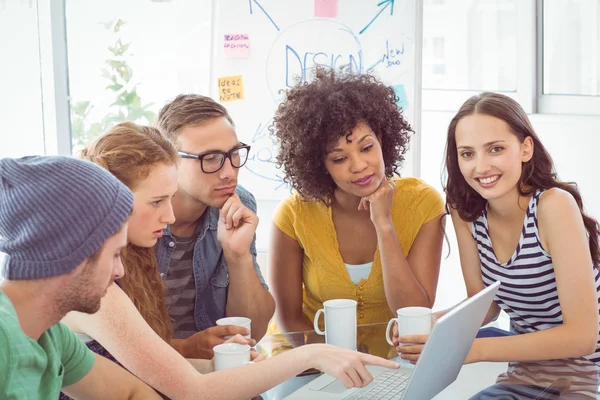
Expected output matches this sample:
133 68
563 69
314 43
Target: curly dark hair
310 122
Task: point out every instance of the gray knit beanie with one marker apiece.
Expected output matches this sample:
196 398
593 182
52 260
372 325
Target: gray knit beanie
55 212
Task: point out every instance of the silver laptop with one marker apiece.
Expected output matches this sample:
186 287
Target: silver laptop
439 364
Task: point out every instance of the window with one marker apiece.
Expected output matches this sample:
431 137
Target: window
477 42
572 47
126 59
439 48
21 110
571 57
472 46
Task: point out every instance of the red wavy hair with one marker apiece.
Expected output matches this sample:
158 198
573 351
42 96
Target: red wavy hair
130 152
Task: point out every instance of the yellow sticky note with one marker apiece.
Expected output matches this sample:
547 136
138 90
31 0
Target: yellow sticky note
231 88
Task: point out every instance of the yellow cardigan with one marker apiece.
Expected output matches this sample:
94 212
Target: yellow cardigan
324 274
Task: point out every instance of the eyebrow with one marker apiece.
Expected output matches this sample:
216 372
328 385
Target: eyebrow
488 144
165 196
337 149
220 151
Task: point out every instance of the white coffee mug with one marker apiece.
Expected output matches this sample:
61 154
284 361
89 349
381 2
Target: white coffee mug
237 321
411 321
340 323
231 355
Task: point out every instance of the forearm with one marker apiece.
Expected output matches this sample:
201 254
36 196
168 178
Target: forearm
202 366
293 322
543 345
247 297
400 284
491 315
252 380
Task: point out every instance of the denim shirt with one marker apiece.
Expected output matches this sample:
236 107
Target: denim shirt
211 274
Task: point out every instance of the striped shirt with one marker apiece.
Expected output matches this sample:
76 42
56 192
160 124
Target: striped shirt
528 293
180 298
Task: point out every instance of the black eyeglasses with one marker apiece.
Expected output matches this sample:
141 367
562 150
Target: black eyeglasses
214 161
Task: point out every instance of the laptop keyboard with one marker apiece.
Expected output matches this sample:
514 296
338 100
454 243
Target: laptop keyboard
388 385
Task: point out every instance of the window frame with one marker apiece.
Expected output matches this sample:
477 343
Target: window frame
55 77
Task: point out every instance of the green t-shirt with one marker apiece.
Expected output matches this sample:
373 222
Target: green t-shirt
38 370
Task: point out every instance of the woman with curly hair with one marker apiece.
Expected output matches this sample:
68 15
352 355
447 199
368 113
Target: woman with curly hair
517 223
353 229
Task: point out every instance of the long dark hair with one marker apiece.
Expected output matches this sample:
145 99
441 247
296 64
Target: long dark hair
537 173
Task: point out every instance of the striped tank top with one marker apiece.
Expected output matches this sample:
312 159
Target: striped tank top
528 292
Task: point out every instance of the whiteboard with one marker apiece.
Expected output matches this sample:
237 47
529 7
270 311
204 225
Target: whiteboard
261 46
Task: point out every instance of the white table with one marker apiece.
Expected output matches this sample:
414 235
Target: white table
576 377
472 378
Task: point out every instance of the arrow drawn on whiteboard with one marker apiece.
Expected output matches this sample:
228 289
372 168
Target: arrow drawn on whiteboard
282 184
383 4
259 133
264 11
276 179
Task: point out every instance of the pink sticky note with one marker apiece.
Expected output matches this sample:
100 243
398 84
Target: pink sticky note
236 45
326 8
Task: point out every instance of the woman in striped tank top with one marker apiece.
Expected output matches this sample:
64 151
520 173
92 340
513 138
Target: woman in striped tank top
517 223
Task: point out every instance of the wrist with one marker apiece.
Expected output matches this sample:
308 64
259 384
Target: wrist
234 258
306 359
181 346
475 353
384 225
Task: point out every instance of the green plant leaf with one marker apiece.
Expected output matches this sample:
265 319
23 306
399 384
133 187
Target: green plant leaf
126 73
80 108
118 25
115 64
115 87
150 116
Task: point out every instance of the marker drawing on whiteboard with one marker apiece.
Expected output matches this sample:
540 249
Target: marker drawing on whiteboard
264 11
260 132
310 60
392 56
269 178
383 4
325 43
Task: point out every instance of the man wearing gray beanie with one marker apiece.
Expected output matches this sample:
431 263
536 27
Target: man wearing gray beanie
63 223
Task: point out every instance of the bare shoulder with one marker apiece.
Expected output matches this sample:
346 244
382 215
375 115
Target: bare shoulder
556 203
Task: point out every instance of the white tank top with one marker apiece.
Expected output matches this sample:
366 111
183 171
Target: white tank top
359 272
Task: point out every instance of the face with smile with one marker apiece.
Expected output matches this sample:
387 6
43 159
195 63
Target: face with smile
490 155
152 210
356 163
209 189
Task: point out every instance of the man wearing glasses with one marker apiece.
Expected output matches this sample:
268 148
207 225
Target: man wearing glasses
208 256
